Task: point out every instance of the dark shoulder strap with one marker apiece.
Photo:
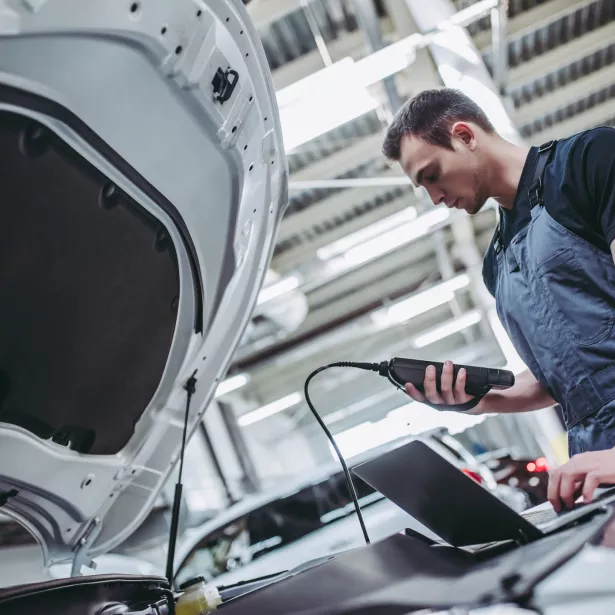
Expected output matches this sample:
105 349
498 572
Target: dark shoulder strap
545 151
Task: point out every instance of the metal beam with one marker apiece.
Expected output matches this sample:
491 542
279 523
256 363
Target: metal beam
597 116
499 22
351 44
460 64
563 96
530 21
367 17
314 25
561 56
342 161
421 74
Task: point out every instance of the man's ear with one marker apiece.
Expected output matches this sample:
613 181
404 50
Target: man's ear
465 133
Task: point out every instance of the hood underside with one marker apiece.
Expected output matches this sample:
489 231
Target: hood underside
90 290
141 194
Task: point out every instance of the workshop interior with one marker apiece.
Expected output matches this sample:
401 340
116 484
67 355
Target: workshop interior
214 289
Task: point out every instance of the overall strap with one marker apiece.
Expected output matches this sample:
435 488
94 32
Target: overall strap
545 151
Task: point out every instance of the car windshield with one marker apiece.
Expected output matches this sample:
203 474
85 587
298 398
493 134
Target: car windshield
273 526
13 534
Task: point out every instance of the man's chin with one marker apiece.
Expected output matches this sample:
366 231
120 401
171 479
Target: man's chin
475 207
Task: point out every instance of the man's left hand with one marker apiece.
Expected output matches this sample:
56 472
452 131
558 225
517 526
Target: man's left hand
581 476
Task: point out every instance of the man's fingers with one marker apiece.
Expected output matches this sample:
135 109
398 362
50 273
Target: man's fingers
592 480
553 490
446 383
431 392
567 489
460 387
414 392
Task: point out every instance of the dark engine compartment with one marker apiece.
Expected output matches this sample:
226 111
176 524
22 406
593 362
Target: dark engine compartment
97 595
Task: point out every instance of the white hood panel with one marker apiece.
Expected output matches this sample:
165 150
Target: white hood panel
114 86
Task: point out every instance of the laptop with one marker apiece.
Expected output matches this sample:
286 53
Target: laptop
454 506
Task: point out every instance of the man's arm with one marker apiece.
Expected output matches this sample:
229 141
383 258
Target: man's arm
526 394
594 157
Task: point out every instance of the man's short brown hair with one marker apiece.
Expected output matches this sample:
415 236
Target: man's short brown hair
429 116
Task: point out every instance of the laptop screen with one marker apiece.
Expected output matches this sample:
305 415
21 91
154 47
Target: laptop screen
436 493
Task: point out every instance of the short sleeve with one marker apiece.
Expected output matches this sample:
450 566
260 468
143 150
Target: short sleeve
597 152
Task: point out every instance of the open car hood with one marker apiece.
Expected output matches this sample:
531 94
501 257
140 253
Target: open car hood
144 177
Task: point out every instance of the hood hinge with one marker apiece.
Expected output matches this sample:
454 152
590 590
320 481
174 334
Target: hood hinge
80 550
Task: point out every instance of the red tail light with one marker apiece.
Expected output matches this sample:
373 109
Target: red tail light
540 465
474 475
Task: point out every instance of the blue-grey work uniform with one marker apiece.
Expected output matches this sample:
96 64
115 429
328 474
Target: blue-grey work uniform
555 297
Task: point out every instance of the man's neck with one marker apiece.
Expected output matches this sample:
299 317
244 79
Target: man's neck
508 162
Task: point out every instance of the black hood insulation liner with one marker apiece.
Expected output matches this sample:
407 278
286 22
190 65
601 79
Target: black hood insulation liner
89 288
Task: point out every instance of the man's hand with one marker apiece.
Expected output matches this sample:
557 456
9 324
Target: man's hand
449 394
581 476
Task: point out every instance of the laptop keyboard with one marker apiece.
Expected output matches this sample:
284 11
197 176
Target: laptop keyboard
537 517
543 513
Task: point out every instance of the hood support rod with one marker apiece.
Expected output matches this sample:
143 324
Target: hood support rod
190 387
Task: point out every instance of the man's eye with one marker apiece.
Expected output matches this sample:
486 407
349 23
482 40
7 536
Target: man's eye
432 178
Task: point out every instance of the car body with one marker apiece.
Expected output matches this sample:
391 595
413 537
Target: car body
234 546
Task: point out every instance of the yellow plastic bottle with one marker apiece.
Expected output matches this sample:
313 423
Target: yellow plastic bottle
198 598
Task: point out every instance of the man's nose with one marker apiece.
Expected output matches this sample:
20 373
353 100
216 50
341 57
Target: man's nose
437 196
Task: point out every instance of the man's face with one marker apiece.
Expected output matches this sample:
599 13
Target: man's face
454 177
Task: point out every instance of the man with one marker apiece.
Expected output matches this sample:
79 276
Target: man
550 266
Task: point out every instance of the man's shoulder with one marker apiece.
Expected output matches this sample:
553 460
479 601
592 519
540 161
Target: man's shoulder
576 154
599 138
573 194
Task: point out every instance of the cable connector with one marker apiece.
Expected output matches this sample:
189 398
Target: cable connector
190 385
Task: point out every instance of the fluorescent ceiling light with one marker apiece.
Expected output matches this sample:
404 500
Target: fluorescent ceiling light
349 182
446 329
389 60
321 102
420 302
270 409
278 288
356 239
391 240
232 384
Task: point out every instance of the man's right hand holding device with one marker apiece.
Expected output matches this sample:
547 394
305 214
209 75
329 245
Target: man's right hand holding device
526 394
